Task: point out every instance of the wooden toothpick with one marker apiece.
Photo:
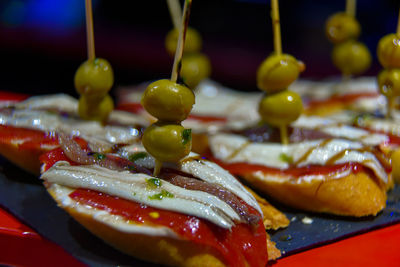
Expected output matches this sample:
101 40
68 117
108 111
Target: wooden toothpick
89 30
175 11
284 135
351 7
398 26
390 106
157 167
276 25
181 41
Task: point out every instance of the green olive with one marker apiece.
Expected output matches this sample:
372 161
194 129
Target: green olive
389 51
95 108
195 68
281 108
277 72
351 57
168 101
193 42
94 77
389 82
341 27
167 142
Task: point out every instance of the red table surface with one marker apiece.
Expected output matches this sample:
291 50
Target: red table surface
21 246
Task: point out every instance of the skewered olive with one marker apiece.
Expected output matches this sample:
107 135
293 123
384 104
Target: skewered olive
91 108
351 57
277 72
389 82
389 51
167 142
195 68
168 101
341 27
280 108
94 77
193 41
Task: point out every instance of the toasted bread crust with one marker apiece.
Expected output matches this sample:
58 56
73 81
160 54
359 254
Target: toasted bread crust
273 218
396 165
325 109
162 250
353 195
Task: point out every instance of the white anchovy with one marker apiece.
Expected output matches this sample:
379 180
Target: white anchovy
234 148
136 187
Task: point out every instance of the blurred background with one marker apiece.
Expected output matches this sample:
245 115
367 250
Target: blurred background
42 42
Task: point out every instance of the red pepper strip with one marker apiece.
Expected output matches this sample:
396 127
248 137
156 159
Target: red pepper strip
204 118
242 168
26 138
9 96
340 99
241 243
131 107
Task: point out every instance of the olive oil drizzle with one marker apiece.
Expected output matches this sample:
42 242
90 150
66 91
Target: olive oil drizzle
309 151
238 150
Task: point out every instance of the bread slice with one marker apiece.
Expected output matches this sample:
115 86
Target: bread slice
334 176
164 248
353 195
120 207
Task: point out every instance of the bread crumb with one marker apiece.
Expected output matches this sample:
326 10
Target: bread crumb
307 220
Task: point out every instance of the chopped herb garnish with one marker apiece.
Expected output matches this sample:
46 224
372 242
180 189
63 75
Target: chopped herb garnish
97 155
160 196
187 136
286 158
138 155
154 182
361 119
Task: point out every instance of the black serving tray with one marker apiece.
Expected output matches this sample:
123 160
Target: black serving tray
23 195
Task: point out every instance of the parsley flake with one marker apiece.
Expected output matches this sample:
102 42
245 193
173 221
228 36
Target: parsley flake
154 182
138 155
160 196
187 136
97 156
286 158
